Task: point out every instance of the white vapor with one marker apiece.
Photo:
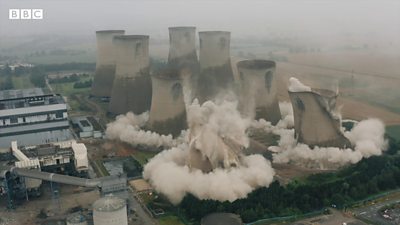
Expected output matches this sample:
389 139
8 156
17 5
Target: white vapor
127 128
210 125
367 138
296 86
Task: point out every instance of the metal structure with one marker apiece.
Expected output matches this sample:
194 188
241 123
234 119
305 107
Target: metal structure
315 121
259 88
167 113
105 64
132 84
216 72
110 210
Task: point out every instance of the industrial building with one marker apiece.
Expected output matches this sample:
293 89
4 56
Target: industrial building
87 127
167 113
258 90
32 117
132 84
315 122
110 210
216 73
105 63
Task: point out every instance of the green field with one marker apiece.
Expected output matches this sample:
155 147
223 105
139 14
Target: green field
59 59
142 157
394 131
21 82
170 220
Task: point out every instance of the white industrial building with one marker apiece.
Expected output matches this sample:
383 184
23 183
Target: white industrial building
32 117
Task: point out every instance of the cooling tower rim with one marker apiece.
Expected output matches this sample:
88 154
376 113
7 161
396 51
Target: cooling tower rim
131 37
214 32
318 91
256 64
109 31
109 204
182 28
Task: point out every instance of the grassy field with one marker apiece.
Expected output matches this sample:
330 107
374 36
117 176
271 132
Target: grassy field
22 82
142 157
59 59
394 131
170 220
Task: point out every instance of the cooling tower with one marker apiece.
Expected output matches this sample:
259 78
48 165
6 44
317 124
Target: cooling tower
259 87
132 84
105 64
167 113
215 64
314 120
182 47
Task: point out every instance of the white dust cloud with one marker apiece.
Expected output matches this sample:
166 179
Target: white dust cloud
296 86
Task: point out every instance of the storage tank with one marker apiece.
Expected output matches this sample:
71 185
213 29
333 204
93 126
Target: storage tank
258 90
132 84
167 113
216 73
76 219
110 210
315 121
105 63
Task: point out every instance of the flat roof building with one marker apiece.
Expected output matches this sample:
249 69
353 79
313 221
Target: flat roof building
32 117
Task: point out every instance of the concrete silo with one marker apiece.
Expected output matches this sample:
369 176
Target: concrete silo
215 64
315 121
167 113
105 63
259 88
110 210
132 84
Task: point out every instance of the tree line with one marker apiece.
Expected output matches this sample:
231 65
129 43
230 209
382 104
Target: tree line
338 189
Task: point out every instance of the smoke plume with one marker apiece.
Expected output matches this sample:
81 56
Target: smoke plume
296 86
127 128
210 126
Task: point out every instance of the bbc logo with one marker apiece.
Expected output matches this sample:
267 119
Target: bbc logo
25 14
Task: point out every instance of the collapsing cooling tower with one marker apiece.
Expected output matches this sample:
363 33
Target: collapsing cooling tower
215 64
105 64
132 84
315 122
259 87
167 113
182 47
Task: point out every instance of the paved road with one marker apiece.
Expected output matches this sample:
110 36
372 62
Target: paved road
371 212
144 217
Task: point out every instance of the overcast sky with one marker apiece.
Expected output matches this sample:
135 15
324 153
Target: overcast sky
242 17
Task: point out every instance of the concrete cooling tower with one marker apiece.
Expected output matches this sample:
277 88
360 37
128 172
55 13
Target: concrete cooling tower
315 122
105 63
132 84
259 88
215 64
167 113
182 47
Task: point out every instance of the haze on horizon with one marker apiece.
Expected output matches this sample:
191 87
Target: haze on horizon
377 20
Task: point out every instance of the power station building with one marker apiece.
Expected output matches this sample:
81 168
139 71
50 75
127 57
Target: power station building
215 64
259 88
315 121
105 64
31 117
167 113
132 84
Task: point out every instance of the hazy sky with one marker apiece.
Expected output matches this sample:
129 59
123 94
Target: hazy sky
242 17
